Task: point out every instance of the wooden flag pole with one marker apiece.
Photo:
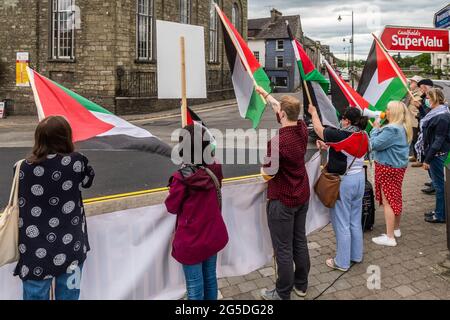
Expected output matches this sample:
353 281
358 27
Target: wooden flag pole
393 66
183 83
238 47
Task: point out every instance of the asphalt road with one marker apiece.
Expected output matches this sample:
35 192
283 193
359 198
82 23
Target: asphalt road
126 171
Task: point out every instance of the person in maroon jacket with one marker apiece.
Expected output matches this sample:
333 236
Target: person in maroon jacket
288 195
195 198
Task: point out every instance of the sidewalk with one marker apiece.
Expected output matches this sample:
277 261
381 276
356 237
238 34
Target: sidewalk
411 270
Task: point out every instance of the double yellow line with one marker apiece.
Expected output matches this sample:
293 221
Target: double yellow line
152 191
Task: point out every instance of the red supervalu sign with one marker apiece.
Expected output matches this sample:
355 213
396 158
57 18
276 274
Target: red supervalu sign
415 39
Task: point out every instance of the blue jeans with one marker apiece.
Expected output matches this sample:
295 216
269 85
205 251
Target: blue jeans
67 287
346 221
438 180
201 280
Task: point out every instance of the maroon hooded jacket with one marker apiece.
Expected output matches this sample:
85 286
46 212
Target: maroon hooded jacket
201 231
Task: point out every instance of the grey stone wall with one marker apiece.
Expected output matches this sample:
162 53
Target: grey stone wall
105 41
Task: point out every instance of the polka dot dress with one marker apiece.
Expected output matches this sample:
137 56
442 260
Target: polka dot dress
390 180
52 224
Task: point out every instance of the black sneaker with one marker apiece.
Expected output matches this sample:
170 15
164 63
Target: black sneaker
434 219
428 184
429 214
429 191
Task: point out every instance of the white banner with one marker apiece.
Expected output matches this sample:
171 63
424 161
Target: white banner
130 257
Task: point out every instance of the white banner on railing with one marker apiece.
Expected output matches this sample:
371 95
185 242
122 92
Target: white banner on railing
130 250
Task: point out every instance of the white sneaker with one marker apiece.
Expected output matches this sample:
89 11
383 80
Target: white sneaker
384 240
398 233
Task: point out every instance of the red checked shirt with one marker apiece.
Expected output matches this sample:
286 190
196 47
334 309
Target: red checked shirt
286 162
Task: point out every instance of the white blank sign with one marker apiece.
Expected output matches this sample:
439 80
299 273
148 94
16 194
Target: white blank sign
169 60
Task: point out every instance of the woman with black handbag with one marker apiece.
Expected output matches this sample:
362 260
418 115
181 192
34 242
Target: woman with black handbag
347 147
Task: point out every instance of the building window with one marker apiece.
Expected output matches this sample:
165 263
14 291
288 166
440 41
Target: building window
280 45
281 82
63 29
213 34
144 21
279 62
185 11
256 54
236 17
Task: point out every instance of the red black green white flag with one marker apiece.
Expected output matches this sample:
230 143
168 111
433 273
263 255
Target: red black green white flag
382 80
94 127
317 85
246 72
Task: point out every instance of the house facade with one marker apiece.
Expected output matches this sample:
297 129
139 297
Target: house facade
106 50
269 40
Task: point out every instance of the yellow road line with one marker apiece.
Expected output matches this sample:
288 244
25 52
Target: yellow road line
157 190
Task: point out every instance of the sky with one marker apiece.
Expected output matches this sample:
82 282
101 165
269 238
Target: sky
320 18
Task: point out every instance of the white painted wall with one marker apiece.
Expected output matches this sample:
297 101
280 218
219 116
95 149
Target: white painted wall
440 60
259 46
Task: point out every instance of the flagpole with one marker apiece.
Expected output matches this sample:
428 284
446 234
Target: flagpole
240 53
183 84
305 84
388 57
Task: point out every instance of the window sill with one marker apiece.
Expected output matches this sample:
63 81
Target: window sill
137 61
61 60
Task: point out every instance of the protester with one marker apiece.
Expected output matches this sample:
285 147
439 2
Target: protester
390 145
195 197
346 215
288 195
434 144
53 239
414 102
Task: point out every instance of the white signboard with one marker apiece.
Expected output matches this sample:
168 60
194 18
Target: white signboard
169 60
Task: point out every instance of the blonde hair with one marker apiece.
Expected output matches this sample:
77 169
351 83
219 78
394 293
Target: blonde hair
399 114
436 96
291 106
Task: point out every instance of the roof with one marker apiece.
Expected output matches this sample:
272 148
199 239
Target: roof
265 28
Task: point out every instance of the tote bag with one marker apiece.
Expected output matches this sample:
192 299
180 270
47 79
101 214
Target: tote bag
9 224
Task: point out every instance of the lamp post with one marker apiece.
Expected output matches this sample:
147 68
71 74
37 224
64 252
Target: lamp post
352 41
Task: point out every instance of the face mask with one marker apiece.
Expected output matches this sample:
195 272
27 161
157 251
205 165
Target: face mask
278 118
427 103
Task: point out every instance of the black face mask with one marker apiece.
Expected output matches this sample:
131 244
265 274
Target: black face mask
278 118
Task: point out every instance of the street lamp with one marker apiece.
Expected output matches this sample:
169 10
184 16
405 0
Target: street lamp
352 41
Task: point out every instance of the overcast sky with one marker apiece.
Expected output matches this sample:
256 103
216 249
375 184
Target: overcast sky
319 18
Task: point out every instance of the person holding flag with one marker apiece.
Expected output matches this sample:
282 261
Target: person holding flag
288 194
347 147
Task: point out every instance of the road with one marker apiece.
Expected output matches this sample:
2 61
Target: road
126 171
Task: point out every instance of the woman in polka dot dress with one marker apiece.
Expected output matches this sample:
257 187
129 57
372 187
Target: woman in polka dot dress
390 146
53 239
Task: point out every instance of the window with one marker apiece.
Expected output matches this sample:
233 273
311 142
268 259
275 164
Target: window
279 62
256 54
144 21
63 29
213 34
281 82
236 17
280 45
185 11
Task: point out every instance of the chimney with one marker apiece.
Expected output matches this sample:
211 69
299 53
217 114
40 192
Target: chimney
275 14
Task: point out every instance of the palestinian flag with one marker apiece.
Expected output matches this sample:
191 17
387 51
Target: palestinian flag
355 145
94 127
382 81
316 83
246 72
352 98
194 119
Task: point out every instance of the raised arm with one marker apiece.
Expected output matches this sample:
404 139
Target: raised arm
270 99
317 124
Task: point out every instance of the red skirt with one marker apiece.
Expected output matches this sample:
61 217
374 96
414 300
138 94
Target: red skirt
390 180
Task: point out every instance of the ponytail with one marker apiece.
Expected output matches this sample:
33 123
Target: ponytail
363 122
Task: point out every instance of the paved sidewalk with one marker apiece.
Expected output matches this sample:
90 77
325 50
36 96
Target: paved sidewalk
412 270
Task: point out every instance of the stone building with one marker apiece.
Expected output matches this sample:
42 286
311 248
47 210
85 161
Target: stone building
270 42
105 50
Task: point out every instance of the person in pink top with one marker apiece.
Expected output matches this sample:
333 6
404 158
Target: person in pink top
195 197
